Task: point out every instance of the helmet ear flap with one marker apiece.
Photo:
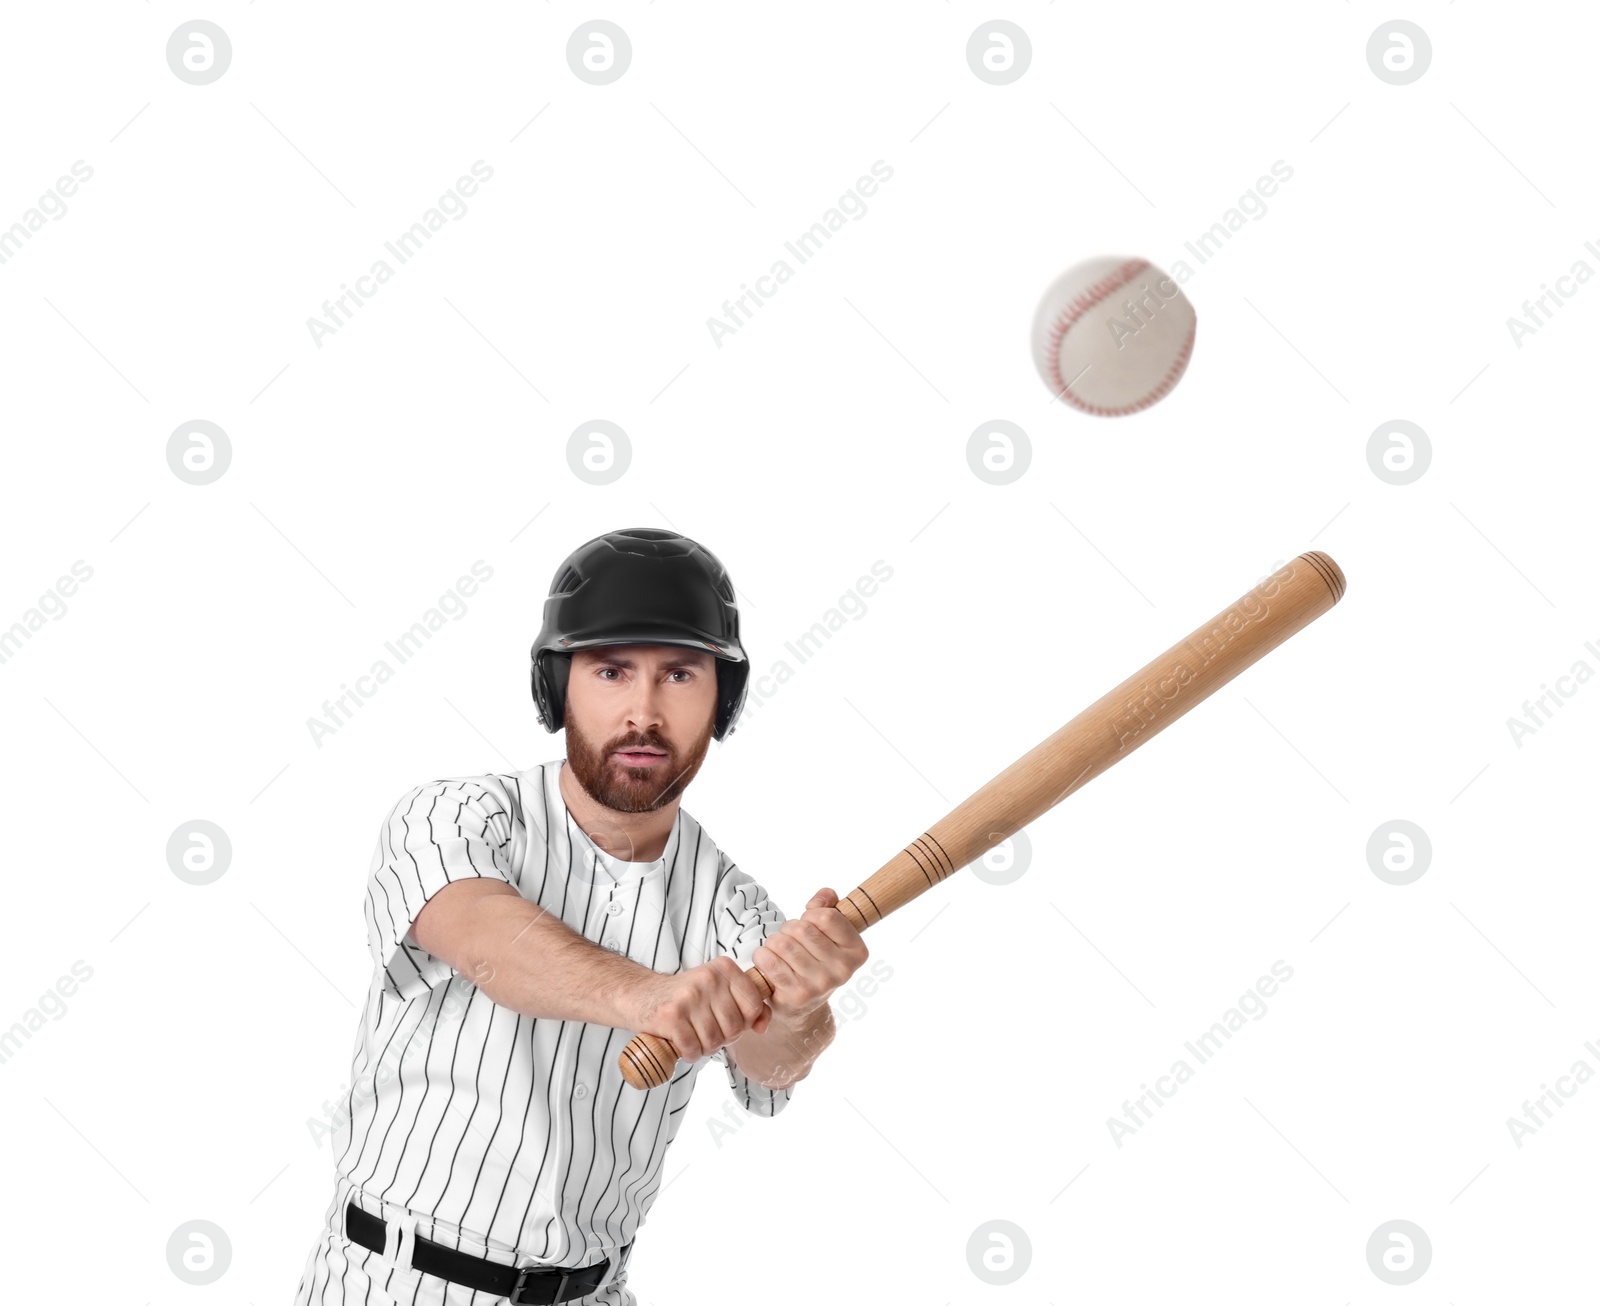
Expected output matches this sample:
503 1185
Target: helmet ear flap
733 679
550 671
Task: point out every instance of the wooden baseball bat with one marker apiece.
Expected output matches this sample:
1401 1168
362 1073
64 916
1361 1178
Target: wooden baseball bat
1097 738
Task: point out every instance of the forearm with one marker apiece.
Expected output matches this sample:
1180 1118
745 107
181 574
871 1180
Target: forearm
785 1051
534 963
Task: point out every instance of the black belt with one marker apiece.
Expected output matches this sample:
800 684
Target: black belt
534 1285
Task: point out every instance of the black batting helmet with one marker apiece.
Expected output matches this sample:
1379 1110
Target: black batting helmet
639 586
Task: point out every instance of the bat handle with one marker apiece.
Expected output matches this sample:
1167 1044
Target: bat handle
649 1059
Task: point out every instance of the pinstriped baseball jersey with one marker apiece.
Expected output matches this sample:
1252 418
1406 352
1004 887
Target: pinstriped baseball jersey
504 1135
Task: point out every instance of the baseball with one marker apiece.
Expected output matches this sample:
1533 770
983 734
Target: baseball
1113 335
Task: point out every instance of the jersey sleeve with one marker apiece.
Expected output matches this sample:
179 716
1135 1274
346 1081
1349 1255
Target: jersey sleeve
436 833
744 917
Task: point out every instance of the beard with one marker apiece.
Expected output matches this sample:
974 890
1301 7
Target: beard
622 788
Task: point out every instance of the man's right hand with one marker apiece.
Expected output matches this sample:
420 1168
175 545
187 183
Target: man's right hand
701 1009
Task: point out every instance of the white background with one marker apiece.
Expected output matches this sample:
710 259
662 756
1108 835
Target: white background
828 433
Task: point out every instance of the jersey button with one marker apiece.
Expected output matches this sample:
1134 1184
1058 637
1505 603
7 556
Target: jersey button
611 942
614 908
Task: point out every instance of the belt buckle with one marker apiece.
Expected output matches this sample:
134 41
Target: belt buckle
561 1283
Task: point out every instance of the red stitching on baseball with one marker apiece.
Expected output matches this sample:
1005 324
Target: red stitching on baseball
1097 294
1167 382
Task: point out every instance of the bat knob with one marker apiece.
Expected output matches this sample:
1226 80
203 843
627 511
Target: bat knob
649 1059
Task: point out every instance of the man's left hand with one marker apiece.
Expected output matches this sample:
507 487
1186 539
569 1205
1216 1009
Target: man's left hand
810 956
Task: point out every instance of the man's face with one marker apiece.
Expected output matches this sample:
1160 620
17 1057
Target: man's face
639 719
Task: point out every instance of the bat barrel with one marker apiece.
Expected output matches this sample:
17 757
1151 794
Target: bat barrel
1105 732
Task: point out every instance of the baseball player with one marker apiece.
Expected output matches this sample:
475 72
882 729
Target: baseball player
524 926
